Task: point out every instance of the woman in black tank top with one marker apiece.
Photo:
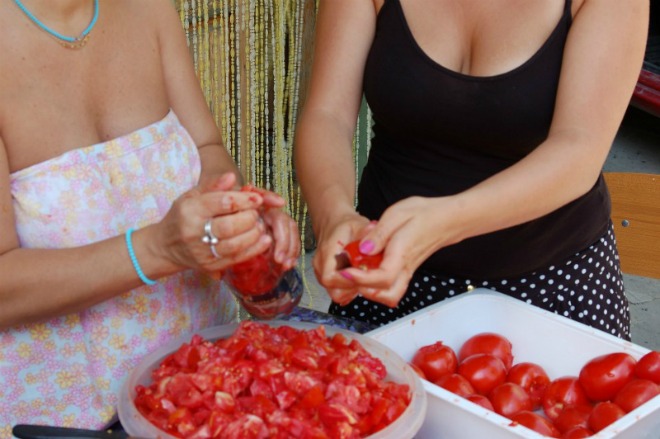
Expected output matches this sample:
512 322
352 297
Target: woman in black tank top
490 132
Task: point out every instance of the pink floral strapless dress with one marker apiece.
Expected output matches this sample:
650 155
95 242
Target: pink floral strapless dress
68 371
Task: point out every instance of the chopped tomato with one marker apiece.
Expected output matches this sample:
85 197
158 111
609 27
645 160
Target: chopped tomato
272 382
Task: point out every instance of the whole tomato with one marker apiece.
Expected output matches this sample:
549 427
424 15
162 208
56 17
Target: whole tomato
603 376
648 367
509 399
532 378
435 360
358 259
536 422
636 393
480 400
561 393
604 414
456 384
418 371
577 433
572 417
483 371
487 343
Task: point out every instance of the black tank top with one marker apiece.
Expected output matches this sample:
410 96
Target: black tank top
439 132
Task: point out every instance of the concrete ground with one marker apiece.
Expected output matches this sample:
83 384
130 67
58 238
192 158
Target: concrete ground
636 149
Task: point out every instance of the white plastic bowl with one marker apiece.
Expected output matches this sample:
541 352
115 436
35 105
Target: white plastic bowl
405 427
562 346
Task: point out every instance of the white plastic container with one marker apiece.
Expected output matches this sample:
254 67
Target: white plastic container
405 427
562 346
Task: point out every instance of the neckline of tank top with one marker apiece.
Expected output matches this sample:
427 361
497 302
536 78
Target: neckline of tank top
464 76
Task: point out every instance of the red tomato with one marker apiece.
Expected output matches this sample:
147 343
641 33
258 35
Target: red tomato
358 259
648 367
255 276
480 400
487 343
636 393
266 381
572 417
455 383
561 393
604 414
536 422
577 433
602 377
483 371
532 378
509 399
418 371
435 360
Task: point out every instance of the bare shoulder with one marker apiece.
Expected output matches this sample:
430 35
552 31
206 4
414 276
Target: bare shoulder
635 6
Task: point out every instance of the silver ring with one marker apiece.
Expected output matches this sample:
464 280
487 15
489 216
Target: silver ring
209 238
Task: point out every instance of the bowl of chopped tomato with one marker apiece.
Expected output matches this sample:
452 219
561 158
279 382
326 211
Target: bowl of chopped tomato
275 379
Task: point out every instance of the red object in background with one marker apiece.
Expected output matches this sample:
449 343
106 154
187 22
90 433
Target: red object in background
647 93
646 96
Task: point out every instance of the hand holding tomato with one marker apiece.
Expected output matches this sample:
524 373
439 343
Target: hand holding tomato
407 233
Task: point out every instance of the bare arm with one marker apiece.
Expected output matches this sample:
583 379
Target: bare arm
324 160
186 97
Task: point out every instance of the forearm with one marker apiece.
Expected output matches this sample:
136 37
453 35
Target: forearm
216 160
555 174
38 284
325 167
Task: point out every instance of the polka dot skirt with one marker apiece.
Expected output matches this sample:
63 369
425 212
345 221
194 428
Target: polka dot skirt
586 287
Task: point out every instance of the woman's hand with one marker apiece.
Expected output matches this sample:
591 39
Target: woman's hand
408 233
329 262
234 220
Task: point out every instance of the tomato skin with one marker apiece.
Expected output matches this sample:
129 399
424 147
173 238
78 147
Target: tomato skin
481 400
604 414
418 371
509 399
531 377
483 371
487 343
435 360
648 367
561 393
603 376
577 433
358 259
456 384
536 422
572 417
636 393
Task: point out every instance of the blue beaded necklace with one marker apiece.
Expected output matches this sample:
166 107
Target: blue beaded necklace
68 42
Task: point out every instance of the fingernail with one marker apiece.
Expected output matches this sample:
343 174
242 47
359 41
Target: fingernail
279 257
346 275
367 247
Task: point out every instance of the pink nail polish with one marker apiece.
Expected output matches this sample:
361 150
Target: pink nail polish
346 275
367 247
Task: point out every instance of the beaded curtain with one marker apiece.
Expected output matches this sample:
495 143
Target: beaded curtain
253 59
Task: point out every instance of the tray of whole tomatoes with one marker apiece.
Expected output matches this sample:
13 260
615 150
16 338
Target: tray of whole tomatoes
496 367
275 379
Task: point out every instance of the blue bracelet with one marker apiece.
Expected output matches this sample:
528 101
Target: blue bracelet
131 253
